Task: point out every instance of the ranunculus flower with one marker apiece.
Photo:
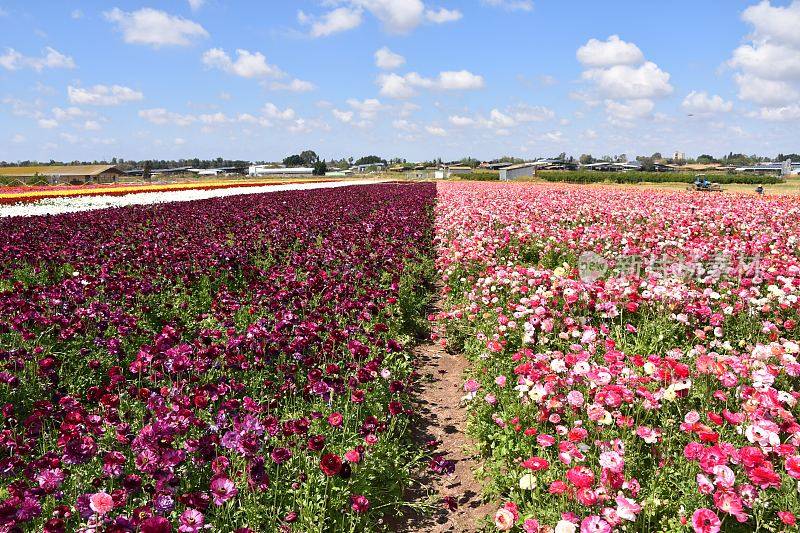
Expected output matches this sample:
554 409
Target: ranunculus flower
101 503
359 503
503 519
330 464
222 489
705 521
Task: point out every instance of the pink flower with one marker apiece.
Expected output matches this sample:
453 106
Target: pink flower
222 489
192 521
500 381
101 503
705 521
471 385
359 503
503 519
580 476
595 524
793 466
352 456
627 509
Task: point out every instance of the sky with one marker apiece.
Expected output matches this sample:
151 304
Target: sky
415 79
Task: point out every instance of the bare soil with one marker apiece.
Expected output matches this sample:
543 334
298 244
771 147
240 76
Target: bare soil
442 419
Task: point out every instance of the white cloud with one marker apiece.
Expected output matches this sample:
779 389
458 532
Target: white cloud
461 121
702 103
91 125
102 95
336 21
783 113
155 28
499 120
247 65
768 60
608 53
196 4
270 110
628 82
295 86
179 141
768 67
161 116
624 113
404 125
510 5
442 15
388 60
343 116
396 86
367 109
436 131
590 134
396 16
528 113
765 92
68 113
76 14
778 23
51 58
18 138
47 123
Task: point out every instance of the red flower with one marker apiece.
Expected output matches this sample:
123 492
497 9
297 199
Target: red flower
330 464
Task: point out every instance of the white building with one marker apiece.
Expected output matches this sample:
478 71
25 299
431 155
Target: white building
523 170
264 170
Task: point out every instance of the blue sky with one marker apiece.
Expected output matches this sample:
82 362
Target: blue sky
400 78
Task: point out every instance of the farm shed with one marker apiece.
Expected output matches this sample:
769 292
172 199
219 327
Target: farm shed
523 170
62 173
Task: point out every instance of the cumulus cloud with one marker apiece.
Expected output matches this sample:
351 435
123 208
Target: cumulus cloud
396 16
626 112
196 4
367 109
295 86
702 103
436 131
102 95
343 116
272 111
624 81
47 123
510 5
388 60
768 66
612 51
50 58
622 78
442 15
501 121
161 116
155 28
335 21
397 86
247 64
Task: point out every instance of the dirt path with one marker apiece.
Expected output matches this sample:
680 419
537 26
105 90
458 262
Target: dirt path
443 420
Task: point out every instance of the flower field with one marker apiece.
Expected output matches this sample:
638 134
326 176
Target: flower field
662 397
245 362
231 364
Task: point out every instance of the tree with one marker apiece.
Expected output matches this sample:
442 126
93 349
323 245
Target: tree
293 161
369 160
705 158
586 159
320 168
146 171
309 157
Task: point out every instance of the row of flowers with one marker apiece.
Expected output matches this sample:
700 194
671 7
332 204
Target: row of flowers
232 364
631 400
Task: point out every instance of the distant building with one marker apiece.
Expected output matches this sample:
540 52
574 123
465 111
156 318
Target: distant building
457 170
609 166
679 156
781 168
64 173
364 168
523 170
264 170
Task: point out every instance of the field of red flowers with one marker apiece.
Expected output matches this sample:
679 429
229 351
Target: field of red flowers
634 354
234 364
